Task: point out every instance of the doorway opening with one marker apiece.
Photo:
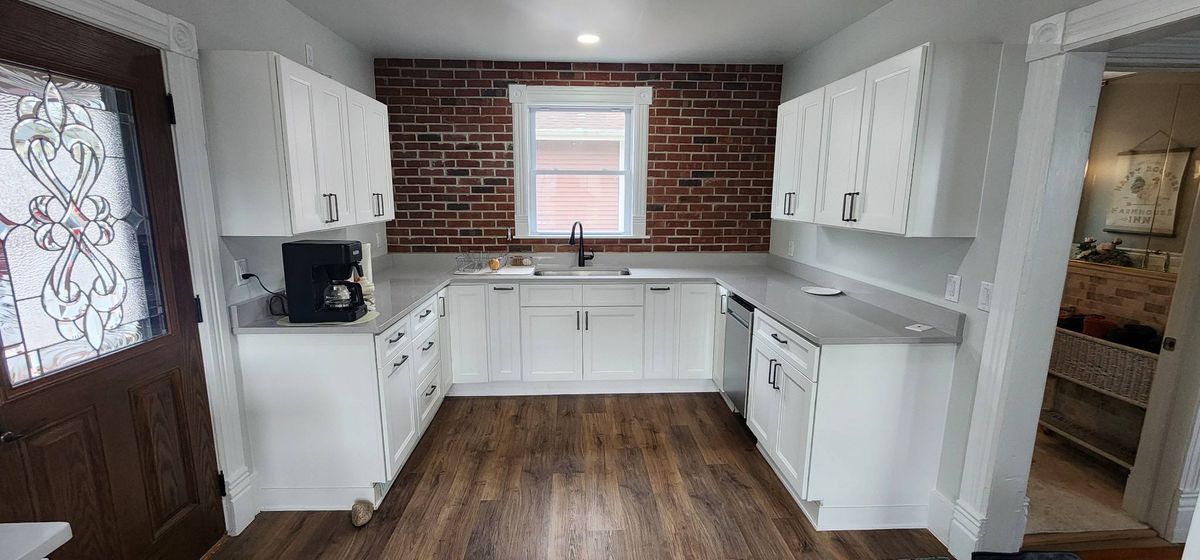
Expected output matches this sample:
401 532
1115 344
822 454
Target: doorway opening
1136 211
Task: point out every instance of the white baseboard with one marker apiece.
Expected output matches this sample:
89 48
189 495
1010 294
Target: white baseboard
316 499
966 528
1181 517
941 514
516 388
241 501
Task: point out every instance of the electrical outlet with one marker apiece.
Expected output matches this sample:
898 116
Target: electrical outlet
379 239
239 268
953 287
985 296
309 54
791 248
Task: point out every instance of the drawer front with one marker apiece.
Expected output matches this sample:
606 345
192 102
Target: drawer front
425 350
613 294
424 315
791 346
551 295
392 340
427 395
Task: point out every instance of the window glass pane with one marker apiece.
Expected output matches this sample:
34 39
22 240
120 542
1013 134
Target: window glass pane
77 273
597 201
568 140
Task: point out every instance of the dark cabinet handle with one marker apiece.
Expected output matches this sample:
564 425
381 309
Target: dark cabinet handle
425 314
576 320
775 378
777 339
427 346
661 289
502 288
442 303
771 372
9 437
396 365
845 204
585 321
432 388
337 209
328 208
396 338
853 197
789 200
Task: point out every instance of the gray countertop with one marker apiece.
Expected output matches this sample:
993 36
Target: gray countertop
823 320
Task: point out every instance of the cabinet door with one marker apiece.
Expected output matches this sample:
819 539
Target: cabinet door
299 89
797 396
551 343
466 314
783 189
662 305
399 414
839 149
810 109
697 324
333 149
370 159
613 342
762 400
891 105
504 332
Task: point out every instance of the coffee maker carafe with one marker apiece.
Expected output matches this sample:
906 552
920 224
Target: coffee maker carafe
319 286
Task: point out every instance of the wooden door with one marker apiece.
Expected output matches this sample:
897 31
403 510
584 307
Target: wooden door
466 313
612 342
891 107
504 332
551 343
102 398
839 149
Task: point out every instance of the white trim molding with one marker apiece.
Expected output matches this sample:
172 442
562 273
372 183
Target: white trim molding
636 99
177 39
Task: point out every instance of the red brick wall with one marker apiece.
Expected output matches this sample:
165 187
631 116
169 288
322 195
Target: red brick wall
712 137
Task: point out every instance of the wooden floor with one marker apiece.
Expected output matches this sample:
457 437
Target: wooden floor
598 476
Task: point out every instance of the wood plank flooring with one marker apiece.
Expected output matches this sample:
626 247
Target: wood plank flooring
579 477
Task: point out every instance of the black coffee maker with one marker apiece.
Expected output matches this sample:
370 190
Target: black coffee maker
319 287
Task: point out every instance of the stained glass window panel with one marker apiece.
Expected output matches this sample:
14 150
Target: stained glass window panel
78 278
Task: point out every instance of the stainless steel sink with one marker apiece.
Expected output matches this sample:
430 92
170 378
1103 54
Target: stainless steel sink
581 272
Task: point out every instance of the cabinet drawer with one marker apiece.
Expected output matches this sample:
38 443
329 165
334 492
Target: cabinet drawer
391 340
791 346
427 394
425 350
551 295
424 315
612 294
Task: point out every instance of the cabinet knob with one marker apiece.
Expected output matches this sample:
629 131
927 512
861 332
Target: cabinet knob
9 437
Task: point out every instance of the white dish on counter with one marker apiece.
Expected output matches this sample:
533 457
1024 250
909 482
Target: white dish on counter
819 291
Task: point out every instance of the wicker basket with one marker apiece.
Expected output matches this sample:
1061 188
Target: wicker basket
1114 369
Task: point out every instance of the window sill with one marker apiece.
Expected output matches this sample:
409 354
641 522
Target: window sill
586 237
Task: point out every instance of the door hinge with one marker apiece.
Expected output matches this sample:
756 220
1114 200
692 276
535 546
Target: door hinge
170 108
221 484
199 310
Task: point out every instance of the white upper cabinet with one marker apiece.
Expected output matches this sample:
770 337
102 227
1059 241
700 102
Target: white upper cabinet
903 145
370 159
291 150
839 148
797 157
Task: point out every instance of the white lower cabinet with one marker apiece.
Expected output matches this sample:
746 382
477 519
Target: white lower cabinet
697 321
399 415
662 310
612 343
466 315
762 408
797 395
551 343
504 332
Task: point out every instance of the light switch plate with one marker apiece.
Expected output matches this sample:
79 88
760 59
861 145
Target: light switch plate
239 268
309 55
985 296
953 287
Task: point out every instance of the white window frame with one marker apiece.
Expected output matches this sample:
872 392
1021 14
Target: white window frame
635 101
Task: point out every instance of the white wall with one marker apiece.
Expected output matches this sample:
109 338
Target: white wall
275 25
918 267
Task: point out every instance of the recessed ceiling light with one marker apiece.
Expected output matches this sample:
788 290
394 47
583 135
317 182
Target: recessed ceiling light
588 39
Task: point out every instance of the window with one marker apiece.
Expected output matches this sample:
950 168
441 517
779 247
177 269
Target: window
580 155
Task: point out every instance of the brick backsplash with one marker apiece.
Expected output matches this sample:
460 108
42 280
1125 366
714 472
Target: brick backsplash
712 141
1122 295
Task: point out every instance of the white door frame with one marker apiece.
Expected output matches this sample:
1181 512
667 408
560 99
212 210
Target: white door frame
177 40
1066 56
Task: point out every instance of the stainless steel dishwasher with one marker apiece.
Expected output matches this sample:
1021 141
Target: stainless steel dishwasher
736 380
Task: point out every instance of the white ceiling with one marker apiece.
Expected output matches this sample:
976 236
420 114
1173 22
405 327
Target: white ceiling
768 31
